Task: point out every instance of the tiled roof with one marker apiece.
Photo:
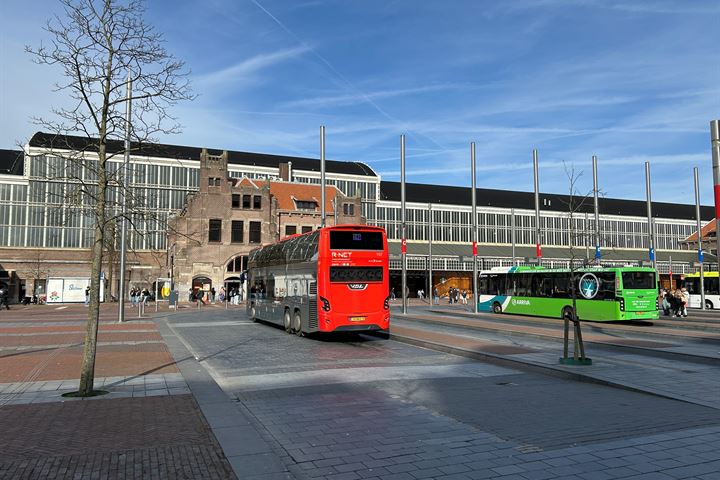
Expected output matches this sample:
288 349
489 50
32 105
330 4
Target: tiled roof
707 232
286 193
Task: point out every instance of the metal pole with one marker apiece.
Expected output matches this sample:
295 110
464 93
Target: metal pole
651 240
512 236
670 262
430 270
124 191
538 242
474 228
322 175
585 240
699 234
403 243
715 146
597 209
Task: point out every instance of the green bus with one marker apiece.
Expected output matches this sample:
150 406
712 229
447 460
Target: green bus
603 294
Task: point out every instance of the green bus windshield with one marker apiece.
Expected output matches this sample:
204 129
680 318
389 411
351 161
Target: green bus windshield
639 280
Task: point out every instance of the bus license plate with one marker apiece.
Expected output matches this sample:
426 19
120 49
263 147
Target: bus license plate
357 319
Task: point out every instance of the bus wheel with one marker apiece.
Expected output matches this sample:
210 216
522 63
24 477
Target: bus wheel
567 313
287 323
497 308
709 305
297 324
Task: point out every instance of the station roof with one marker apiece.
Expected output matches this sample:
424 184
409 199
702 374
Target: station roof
179 152
11 162
447 195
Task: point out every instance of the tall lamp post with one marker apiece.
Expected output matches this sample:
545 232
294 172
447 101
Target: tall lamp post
474 229
124 191
403 228
699 234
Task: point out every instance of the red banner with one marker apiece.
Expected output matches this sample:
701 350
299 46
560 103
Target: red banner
538 251
717 201
403 246
475 249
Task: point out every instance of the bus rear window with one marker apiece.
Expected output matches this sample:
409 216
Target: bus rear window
355 240
356 274
638 280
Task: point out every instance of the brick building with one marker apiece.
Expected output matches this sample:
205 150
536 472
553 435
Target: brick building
208 242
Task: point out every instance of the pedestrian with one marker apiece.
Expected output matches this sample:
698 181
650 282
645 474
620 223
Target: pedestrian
145 296
392 293
675 302
4 297
685 301
665 303
436 296
212 295
463 297
87 296
221 295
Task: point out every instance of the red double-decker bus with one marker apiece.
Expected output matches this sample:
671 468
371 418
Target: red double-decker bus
334 279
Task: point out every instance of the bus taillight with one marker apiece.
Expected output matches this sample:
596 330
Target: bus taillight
325 304
386 305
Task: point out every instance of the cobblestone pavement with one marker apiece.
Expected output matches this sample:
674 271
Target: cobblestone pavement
146 427
351 407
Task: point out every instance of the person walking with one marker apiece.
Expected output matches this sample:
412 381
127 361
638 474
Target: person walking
87 296
212 295
145 296
436 296
685 301
4 297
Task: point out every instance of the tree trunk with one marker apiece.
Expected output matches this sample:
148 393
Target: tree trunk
87 372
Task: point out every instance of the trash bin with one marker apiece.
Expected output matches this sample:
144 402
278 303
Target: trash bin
173 298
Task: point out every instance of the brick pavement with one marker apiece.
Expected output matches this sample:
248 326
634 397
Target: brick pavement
156 437
146 427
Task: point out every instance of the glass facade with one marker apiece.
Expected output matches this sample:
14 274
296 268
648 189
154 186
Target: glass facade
51 208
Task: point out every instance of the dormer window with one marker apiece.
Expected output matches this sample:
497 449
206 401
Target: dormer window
306 204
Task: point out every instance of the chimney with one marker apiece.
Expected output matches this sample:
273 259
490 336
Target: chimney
284 169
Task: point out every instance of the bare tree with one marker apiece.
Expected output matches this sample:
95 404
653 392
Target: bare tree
575 204
100 45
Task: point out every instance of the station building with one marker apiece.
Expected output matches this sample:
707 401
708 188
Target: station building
46 233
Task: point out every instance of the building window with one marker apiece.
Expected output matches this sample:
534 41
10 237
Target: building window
257 202
246 201
348 209
213 181
290 230
237 231
306 205
235 200
215 230
255 232
306 229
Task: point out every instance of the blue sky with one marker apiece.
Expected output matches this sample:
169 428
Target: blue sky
627 80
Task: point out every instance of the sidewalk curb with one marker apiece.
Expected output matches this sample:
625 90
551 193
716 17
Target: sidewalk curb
249 455
701 359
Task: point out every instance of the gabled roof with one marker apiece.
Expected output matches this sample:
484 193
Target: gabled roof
11 162
708 231
286 193
179 152
445 195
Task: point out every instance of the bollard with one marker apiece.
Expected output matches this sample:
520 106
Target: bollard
140 310
226 304
198 304
156 306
